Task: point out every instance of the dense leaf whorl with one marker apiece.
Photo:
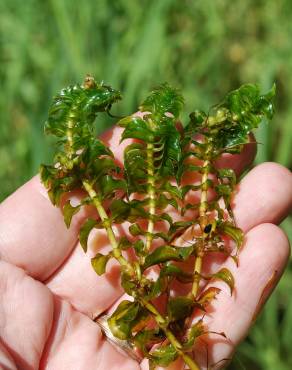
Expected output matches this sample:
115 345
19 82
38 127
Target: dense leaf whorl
80 155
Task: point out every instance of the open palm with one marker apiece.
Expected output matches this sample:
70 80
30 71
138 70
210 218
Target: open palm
49 292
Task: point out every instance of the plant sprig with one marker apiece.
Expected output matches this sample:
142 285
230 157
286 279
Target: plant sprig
152 193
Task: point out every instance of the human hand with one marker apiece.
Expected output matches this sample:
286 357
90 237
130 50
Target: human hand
49 292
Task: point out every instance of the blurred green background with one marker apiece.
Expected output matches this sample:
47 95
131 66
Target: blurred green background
204 47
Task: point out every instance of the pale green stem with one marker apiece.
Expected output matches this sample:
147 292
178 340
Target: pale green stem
69 135
203 221
151 194
107 225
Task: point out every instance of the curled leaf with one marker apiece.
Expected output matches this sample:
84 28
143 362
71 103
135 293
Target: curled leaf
225 275
164 355
69 211
99 263
208 296
88 225
193 333
179 308
177 272
109 185
232 231
167 253
147 338
136 128
163 100
136 230
121 321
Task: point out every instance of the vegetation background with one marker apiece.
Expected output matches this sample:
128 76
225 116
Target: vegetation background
205 47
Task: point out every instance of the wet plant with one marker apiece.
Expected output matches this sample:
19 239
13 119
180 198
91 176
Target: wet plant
176 203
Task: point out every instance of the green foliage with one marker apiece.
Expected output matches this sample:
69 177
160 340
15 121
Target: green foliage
247 41
231 121
141 195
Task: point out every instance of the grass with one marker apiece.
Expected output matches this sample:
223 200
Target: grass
204 47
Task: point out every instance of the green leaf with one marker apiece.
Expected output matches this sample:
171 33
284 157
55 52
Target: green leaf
223 189
172 189
161 254
120 210
47 174
163 236
136 230
139 247
179 308
99 263
135 167
121 321
163 99
232 231
128 282
109 186
162 202
88 225
167 253
227 173
225 275
171 153
147 338
164 355
103 166
124 243
177 272
193 333
208 296
156 288
164 217
69 211
136 128
180 226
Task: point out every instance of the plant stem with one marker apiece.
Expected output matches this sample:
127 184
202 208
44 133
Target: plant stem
151 194
203 221
161 321
107 225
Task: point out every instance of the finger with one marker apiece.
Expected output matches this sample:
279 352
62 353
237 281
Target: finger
6 361
26 313
76 342
264 195
78 283
262 261
40 332
33 235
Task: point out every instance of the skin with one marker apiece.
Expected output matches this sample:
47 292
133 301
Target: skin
49 292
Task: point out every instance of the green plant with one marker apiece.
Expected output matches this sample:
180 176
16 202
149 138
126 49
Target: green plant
154 195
